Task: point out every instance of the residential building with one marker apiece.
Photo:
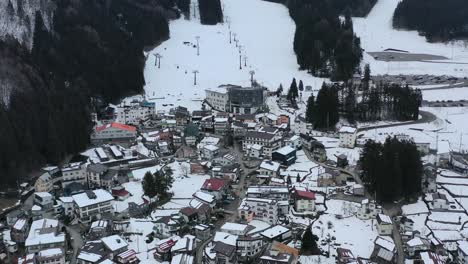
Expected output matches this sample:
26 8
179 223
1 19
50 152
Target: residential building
274 257
384 250
406 224
277 233
462 250
261 209
94 172
416 245
113 132
285 155
254 151
384 225
44 234
74 173
44 200
209 152
459 161
226 159
202 232
221 125
67 204
51 256
268 141
100 228
216 187
440 201
44 183
304 200
268 192
344 256
166 226
268 169
368 209
225 253
92 252
249 247
92 205
19 231
228 172
114 245
127 257
347 136
135 113
217 98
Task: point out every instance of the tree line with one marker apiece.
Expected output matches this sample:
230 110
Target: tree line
324 45
392 170
437 20
211 12
94 50
158 184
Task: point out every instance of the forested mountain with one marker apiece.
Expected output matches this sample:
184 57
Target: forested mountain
93 50
324 45
210 12
437 20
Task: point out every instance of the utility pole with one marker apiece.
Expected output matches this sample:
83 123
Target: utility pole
240 57
195 77
198 45
230 38
157 60
245 61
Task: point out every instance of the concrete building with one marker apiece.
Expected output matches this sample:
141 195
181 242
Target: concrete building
347 136
304 200
134 113
44 234
268 169
44 183
261 209
384 225
92 205
218 98
74 173
113 132
269 142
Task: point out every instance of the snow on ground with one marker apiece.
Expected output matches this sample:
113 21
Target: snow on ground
454 94
352 154
266 40
185 186
347 231
140 229
415 208
377 34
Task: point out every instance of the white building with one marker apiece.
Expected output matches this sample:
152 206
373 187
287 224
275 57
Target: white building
68 205
439 201
384 225
269 142
92 205
265 210
133 114
218 98
368 209
268 169
74 172
113 132
44 199
44 234
347 136
304 200
294 142
254 151
235 228
44 183
209 152
51 256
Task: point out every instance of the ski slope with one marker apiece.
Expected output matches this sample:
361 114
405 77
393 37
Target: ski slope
265 33
377 34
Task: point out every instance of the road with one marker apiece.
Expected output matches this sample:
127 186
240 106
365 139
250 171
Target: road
77 242
426 117
395 210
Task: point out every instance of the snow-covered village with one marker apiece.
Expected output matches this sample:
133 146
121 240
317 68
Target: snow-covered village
270 132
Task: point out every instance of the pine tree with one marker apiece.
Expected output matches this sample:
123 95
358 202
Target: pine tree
279 91
309 243
366 78
148 185
298 178
292 92
301 86
310 111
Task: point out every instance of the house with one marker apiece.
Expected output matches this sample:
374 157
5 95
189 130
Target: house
384 225
294 142
254 151
203 198
384 250
202 232
274 257
19 231
285 155
216 187
185 245
50 256
225 159
44 234
44 183
462 250
74 173
249 247
92 205
166 226
228 172
163 147
304 200
67 205
119 193
94 172
261 209
44 200
347 136
277 233
429 257
268 141
268 169
406 224
440 201
127 257
182 259
135 113
344 256
113 132
416 245
342 161
221 125
209 152
163 250
92 252
100 228
368 209
114 245
459 161
235 229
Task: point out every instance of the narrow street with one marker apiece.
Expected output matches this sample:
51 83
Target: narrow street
77 242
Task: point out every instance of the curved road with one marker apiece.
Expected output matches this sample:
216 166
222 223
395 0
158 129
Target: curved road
426 117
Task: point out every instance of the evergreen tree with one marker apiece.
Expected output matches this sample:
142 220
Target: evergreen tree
366 79
350 104
10 10
149 185
279 91
309 243
301 86
292 92
298 178
310 111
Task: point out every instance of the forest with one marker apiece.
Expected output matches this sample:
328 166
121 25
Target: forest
437 20
324 45
210 12
94 51
392 170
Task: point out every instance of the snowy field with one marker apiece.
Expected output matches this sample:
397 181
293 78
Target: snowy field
266 42
453 94
377 34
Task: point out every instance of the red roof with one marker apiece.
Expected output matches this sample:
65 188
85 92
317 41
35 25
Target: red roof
305 195
121 192
166 246
213 184
116 125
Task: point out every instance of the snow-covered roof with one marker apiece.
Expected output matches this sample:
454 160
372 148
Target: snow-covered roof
19 224
140 173
270 165
256 147
225 238
208 198
50 252
114 242
275 231
385 219
67 199
36 208
99 223
43 194
182 259
43 232
233 227
89 257
415 242
347 129
210 147
463 246
386 243
285 150
87 199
